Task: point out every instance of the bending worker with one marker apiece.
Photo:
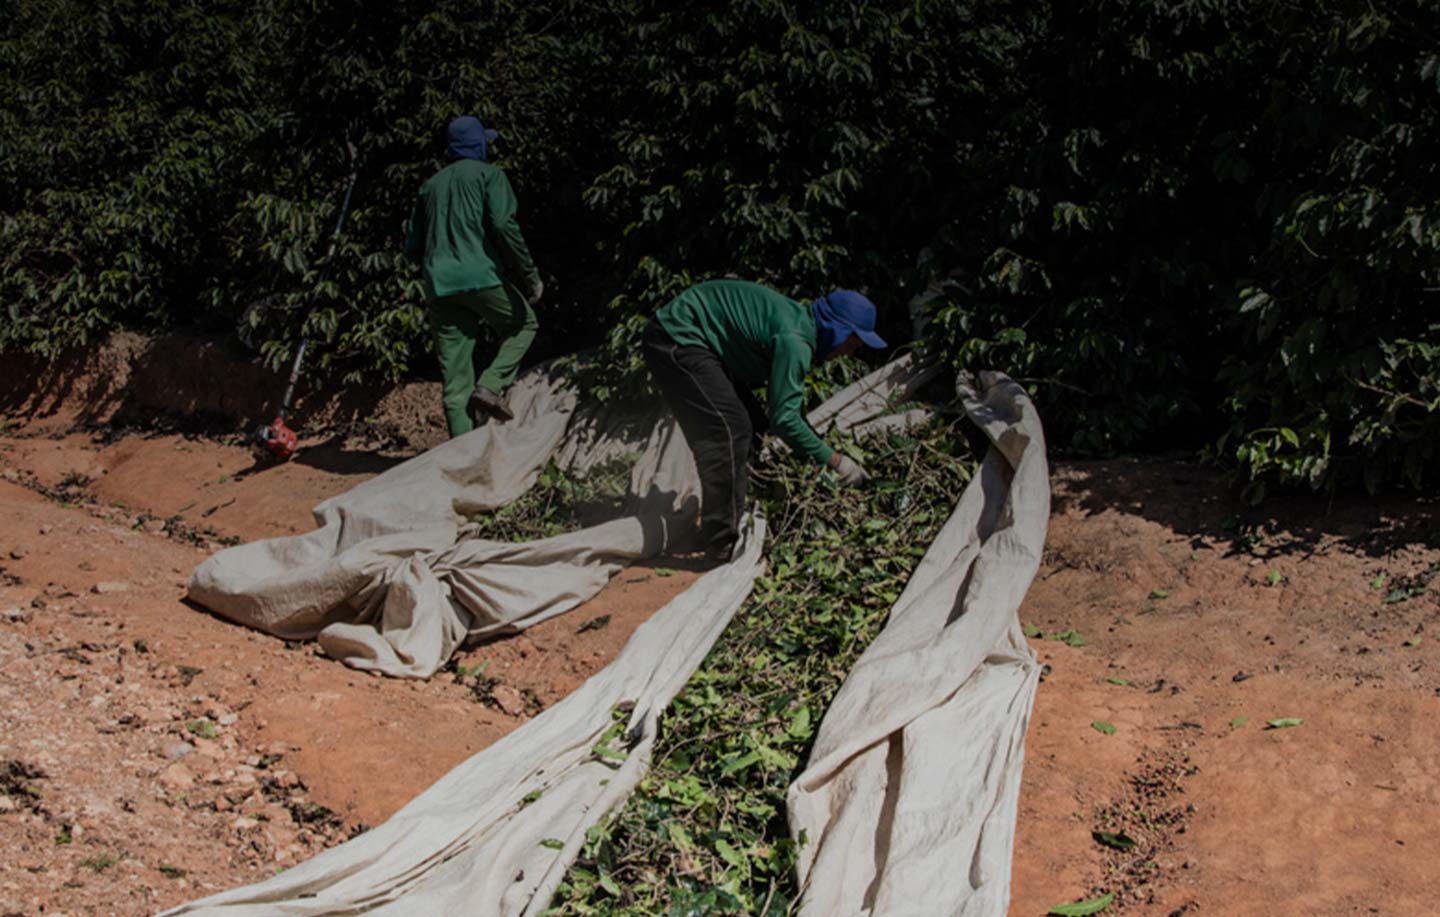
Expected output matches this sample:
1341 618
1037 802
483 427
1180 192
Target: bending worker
465 237
709 347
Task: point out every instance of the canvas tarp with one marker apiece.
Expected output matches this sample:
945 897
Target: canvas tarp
394 580
908 801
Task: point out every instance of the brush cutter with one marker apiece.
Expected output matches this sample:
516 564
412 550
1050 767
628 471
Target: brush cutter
276 438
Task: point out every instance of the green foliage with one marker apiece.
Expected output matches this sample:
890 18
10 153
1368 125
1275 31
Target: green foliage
705 833
560 502
1183 224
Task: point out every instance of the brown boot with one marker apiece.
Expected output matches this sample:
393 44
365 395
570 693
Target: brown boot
485 404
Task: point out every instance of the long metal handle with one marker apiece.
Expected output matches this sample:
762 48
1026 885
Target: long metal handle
324 275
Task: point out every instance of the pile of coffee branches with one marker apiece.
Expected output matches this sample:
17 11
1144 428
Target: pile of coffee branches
560 502
705 833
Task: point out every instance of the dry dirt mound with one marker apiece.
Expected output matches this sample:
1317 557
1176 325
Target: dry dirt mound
153 752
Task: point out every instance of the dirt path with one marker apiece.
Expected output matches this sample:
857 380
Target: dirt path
152 752
1215 621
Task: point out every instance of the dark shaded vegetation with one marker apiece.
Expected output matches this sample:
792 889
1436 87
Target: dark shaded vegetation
1206 224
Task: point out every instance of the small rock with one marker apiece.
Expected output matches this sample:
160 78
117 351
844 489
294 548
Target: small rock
7 804
285 779
176 777
154 525
177 750
222 804
46 529
107 588
19 551
509 700
243 823
16 615
10 474
226 719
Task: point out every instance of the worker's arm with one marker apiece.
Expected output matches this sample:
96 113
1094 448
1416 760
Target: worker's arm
503 227
415 234
786 397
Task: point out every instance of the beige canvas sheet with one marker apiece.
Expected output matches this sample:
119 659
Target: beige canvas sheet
393 580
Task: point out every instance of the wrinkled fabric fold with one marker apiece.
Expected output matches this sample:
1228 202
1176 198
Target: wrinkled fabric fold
908 802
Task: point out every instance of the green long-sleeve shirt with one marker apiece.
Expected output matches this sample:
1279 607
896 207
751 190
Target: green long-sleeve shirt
463 232
764 338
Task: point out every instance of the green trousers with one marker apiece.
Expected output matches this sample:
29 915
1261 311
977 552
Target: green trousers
457 320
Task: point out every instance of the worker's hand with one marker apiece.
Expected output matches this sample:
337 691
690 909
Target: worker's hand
538 292
848 470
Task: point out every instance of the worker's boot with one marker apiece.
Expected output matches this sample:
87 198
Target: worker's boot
485 404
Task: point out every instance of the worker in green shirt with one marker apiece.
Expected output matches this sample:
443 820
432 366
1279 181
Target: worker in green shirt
711 346
478 271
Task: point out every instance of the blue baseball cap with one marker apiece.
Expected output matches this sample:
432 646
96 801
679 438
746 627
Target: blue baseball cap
841 313
467 138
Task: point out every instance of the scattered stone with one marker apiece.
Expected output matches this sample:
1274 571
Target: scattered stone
7 804
46 529
16 615
176 777
227 719
177 750
108 588
19 551
508 699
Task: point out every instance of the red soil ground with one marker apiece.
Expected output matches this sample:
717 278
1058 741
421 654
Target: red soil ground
169 753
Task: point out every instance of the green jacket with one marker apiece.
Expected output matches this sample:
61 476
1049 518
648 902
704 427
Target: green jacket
463 232
764 338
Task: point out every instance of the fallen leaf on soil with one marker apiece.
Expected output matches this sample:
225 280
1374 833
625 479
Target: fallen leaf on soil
1069 637
1102 726
1284 722
1119 841
1082 908
1118 681
1032 631
1413 641
1159 593
594 624
1239 721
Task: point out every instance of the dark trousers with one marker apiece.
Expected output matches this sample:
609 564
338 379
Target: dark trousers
721 421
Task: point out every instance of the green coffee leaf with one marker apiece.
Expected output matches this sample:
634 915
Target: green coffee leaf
1284 722
1159 593
1082 908
1118 681
1104 727
1239 721
1119 841
1032 631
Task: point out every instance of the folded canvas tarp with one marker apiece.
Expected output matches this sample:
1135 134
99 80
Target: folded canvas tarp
394 580
909 798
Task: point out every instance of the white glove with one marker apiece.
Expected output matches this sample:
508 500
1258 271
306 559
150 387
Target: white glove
849 471
538 292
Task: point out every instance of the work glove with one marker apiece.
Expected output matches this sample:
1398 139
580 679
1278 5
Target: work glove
849 471
538 292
